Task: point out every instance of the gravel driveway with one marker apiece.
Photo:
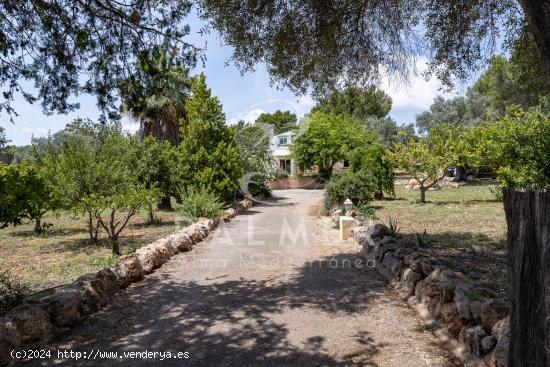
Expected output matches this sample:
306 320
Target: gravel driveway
274 287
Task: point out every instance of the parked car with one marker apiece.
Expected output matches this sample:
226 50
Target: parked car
459 173
466 173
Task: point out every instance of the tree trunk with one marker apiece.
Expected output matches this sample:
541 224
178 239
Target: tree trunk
422 194
92 230
164 203
37 226
528 220
537 13
116 246
325 172
151 214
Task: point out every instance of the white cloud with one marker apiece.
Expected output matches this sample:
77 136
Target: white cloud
416 95
130 127
247 116
299 107
306 101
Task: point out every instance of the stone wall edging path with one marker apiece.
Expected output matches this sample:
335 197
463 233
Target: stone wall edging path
472 323
50 313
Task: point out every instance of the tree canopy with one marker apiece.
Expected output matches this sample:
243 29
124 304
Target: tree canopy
506 85
357 102
209 156
469 110
24 194
326 138
514 82
156 92
321 45
257 160
516 147
427 158
67 47
282 121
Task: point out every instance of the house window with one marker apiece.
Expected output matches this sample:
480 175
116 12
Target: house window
346 164
285 165
283 140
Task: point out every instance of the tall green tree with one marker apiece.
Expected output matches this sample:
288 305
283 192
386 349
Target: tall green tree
326 138
208 155
526 70
155 94
156 167
494 83
388 130
257 161
469 110
356 102
281 121
515 82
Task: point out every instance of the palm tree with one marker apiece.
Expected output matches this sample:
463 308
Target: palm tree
155 94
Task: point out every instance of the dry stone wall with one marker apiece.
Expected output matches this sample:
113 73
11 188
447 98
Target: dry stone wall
475 320
42 316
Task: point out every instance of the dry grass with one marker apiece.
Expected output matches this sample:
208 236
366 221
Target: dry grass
466 228
65 252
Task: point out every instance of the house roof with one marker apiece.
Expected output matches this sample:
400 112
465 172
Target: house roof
290 133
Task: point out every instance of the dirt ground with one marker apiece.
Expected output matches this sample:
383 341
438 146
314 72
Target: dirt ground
274 287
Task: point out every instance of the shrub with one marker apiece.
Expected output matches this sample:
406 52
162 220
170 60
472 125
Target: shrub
393 226
101 182
374 159
360 187
24 194
201 203
12 292
517 148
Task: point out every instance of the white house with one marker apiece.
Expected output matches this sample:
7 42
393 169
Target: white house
280 148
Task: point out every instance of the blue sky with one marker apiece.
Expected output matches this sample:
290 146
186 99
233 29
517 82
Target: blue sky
243 96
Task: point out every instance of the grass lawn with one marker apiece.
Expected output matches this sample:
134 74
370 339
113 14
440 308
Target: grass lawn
465 226
65 252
